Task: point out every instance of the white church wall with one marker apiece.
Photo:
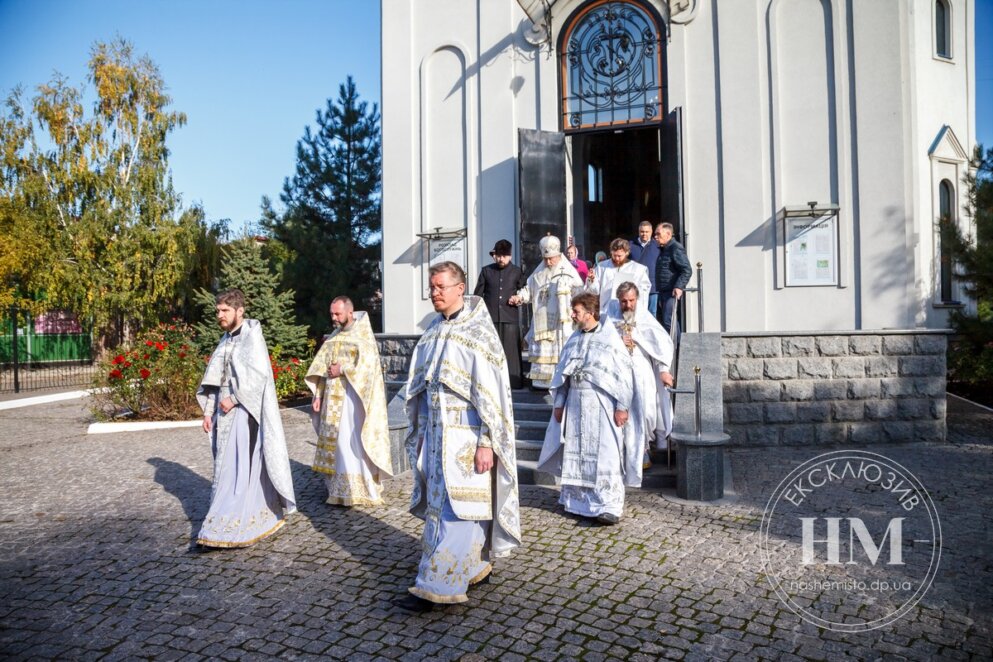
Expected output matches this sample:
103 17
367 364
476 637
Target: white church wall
943 99
785 101
885 258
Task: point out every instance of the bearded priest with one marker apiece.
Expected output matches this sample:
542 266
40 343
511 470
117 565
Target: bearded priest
349 405
252 489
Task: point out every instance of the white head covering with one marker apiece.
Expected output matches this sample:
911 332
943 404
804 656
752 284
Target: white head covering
550 246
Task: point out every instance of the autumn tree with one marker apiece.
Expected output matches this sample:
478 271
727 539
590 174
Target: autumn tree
331 223
89 218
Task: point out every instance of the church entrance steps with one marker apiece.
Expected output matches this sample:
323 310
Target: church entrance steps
532 411
659 476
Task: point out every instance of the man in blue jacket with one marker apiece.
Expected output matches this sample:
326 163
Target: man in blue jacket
672 273
646 252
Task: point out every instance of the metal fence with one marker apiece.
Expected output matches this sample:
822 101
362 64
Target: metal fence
52 350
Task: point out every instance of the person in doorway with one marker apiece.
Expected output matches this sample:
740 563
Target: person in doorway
572 254
672 274
645 251
593 442
607 275
651 353
461 445
349 405
252 488
549 289
497 284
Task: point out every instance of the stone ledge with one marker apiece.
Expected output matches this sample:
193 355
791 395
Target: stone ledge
860 332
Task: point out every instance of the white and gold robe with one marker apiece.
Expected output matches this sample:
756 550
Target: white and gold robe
652 355
550 291
458 400
593 457
353 441
251 492
607 276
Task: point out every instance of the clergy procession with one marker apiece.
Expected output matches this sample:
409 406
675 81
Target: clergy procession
592 344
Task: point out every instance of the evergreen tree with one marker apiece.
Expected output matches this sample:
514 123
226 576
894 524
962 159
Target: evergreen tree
244 267
971 354
331 225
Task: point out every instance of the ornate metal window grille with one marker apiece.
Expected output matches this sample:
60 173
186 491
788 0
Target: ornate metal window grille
611 67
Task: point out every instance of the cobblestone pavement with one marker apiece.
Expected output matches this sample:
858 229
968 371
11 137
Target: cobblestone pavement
96 563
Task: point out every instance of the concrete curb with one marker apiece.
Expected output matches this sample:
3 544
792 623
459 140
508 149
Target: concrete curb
134 426
42 399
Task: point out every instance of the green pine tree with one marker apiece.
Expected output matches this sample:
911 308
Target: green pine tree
244 267
331 225
970 356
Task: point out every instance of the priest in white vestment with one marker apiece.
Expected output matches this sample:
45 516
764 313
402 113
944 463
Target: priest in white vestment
460 442
353 440
651 352
549 289
594 441
252 489
608 274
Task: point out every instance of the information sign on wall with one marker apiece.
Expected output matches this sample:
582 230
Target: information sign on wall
811 251
444 247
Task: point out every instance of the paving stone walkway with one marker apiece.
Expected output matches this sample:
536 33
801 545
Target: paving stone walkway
96 563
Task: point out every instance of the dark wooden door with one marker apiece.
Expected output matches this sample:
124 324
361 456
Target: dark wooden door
541 183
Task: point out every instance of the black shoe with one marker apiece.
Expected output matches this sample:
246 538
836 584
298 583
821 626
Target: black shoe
481 582
608 518
412 603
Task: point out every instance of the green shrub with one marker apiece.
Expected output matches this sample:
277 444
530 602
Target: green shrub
288 374
154 379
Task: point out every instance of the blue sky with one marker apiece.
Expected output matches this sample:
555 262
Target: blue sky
250 74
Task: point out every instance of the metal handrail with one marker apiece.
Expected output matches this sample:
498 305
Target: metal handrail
698 290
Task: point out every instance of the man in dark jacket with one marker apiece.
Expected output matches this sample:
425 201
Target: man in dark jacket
646 252
496 284
672 273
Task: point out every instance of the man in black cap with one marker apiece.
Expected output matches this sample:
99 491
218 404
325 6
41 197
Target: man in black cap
498 282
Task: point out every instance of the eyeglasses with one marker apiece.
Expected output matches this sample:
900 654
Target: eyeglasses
441 288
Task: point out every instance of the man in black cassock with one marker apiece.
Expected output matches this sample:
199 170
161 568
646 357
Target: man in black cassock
498 282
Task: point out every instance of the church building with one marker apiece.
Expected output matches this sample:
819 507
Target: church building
804 150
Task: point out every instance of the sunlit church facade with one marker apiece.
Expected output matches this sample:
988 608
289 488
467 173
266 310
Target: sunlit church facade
804 150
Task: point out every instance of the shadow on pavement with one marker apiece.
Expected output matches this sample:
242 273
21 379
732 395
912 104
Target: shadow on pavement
191 489
386 551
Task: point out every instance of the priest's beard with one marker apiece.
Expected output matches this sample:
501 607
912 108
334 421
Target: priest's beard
628 316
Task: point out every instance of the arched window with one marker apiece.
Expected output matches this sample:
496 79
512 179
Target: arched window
946 220
611 65
942 28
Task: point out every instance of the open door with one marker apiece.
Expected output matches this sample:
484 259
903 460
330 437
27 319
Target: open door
671 158
541 183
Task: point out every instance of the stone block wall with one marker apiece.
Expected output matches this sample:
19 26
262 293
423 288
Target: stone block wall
394 354
834 388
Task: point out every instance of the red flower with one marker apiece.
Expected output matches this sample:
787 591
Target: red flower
118 360
184 347
295 361
172 327
145 373
145 357
127 364
160 346
182 355
115 374
149 343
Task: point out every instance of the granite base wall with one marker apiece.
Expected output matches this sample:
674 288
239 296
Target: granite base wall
813 388
394 355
